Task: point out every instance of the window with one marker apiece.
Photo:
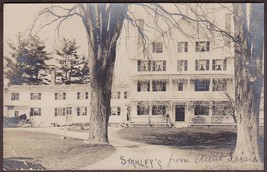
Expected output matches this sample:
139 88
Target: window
158 109
151 65
202 65
35 96
182 65
202 46
81 111
68 110
159 85
60 96
115 95
159 65
35 111
125 95
59 111
219 64
157 47
142 108
143 86
118 95
182 47
180 86
202 85
14 96
116 111
201 110
82 95
218 85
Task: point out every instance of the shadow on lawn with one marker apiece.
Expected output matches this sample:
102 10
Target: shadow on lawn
20 163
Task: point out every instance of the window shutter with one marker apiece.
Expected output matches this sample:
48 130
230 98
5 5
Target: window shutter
138 65
208 45
148 86
186 47
164 65
224 64
185 65
207 65
213 64
196 65
149 65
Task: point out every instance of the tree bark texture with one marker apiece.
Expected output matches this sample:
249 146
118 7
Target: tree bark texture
248 79
103 23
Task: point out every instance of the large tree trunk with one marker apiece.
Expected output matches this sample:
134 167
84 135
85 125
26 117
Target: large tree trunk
248 81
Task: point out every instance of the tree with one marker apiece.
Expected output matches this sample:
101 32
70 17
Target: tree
73 67
249 36
27 62
103 23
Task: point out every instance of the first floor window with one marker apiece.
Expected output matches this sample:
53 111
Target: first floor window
158 109
68 110
159 85
81 111
218 85
142 108
116 111
201 110
35 111
14 96
35 96
180 86
202 85
59 111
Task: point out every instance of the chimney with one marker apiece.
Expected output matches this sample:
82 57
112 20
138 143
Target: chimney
53 76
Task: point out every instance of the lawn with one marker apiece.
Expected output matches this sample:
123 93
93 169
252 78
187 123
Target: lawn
34 150
193 140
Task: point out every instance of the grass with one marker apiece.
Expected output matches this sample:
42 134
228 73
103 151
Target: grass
34 150
192 141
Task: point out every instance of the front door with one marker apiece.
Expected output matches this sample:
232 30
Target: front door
179 113
68 114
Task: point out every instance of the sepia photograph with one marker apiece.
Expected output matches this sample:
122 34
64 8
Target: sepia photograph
133 86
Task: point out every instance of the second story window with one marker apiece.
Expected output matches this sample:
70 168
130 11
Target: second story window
202 65
159 85
60 96
116 111
202 85
182 65
81 111
157 47
202 46
82 95
143 86
219 64
125 95
36 111
35 96
115 95
182 47
14 96
60 111
159 65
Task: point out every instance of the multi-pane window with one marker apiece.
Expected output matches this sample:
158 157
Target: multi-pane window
125 95
142 108
35 111
182 47
81 111
202 65
60 96
68 110
180 86
151 65
182 65
157 47
219 64
201 110
35 96
159 110
116 111
202 46
115 95
143 86
14 96
202 85
60 111
219 85
159 85
82 95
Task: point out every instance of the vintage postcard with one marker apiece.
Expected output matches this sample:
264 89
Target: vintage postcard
133 86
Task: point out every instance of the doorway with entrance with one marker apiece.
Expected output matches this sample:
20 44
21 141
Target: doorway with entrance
179 113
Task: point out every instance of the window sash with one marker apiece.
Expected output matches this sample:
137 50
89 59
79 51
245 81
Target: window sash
182 47
35 111
81 111
202 46
60 96
35 96
14 96
60 111
159 85
157 47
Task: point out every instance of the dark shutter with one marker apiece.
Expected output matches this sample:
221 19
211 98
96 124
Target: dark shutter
196 65
213 64
186 47
207 65
224 64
